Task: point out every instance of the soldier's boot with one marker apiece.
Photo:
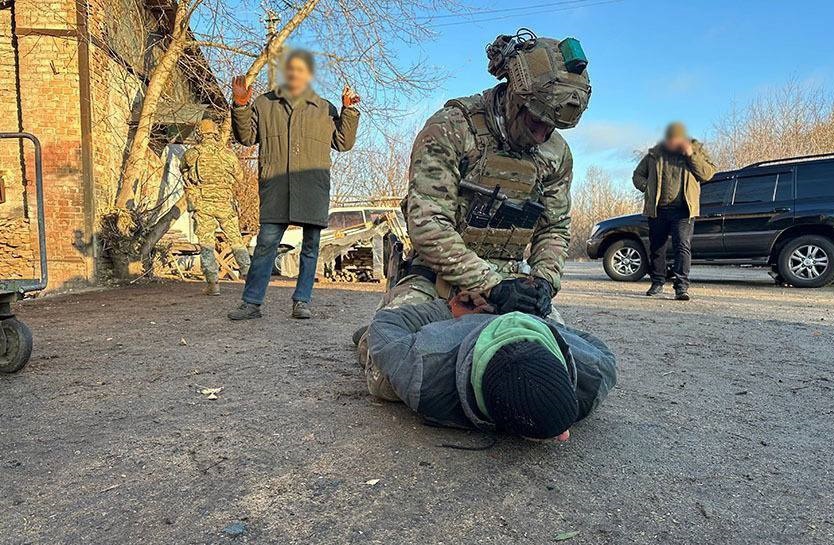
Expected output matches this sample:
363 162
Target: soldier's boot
212 285
245 311
209 265
243 261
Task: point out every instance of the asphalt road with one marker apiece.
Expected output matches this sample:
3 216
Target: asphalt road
719 430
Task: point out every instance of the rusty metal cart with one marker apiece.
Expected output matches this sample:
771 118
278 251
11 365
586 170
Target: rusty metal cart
15 336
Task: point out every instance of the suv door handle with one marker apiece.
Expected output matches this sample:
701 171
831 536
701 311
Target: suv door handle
783 209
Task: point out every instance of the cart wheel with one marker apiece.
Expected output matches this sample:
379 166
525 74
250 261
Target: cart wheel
18 346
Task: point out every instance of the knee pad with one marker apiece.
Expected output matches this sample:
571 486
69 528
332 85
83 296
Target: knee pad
208 262
243 260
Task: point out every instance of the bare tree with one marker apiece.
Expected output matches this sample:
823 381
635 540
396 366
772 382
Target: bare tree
356 39
796 119
595 198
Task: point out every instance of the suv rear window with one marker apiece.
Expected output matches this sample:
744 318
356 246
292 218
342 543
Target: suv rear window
815 180
755 189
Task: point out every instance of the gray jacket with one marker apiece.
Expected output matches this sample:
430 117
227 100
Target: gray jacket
426 354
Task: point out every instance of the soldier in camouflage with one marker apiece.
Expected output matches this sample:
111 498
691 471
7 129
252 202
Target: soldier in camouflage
209 172
503 138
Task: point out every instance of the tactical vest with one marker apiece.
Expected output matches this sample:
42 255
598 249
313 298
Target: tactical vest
519 176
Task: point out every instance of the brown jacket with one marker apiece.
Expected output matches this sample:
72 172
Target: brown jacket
294 154
649 172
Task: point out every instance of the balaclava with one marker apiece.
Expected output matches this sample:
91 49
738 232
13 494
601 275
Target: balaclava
546 77
520 378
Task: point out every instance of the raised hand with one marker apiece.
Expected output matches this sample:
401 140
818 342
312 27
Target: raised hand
241 93
349 97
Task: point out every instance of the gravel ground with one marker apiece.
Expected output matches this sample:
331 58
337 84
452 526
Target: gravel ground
719 431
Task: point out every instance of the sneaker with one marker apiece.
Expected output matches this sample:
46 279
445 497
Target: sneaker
212 288
246 311
682 295
655 289
301 310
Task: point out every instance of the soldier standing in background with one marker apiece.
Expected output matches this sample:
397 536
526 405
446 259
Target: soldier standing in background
209 172
489 175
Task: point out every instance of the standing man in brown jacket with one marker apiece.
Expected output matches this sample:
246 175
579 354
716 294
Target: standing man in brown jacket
670 177
295 130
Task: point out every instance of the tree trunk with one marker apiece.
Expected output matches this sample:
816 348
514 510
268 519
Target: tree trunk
157 81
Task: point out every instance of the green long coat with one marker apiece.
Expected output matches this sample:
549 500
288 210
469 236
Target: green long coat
649 173
294 155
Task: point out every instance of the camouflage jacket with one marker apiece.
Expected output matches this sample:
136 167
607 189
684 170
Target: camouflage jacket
451 148
210 172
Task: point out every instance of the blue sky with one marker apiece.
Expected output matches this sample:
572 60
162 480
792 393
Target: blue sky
652 62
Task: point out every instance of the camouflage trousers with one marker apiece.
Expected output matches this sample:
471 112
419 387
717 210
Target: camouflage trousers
207 219
411 290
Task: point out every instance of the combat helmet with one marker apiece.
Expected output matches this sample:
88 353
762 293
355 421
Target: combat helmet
207 127
547 77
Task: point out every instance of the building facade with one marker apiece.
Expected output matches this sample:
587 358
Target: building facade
72 73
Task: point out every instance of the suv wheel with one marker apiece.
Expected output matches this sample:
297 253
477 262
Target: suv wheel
625 261
807 261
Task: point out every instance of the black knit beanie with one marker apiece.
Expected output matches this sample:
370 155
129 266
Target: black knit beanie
528 391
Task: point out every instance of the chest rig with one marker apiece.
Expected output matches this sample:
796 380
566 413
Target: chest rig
499 193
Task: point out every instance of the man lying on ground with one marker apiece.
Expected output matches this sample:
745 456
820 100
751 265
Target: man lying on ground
457 365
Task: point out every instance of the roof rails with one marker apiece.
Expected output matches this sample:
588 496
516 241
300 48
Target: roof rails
789 160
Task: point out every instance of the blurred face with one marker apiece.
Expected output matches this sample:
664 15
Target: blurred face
297 76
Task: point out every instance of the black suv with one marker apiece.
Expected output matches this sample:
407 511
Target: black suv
774 213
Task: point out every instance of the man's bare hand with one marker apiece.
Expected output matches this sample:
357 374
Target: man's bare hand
349 97
241 93
470 302
686 148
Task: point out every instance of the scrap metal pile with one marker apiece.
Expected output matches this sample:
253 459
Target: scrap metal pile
352 254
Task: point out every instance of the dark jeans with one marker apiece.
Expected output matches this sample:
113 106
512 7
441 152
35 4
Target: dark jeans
675 222
263 260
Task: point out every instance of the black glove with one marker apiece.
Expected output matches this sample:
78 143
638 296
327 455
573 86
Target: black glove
515 294
544 299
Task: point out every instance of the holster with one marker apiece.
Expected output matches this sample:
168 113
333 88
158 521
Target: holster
395 265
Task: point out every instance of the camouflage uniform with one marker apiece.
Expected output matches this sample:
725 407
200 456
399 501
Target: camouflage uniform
209 172
468 141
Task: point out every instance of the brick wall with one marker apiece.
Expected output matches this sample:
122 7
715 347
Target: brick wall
48 102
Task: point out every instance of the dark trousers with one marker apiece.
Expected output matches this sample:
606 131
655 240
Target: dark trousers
263 260
677 223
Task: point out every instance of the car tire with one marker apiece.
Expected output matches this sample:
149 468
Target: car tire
807 261
626 261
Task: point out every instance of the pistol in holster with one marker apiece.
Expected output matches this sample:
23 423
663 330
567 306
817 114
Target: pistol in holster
396 265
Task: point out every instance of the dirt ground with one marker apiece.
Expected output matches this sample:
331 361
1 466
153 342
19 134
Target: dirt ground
719 431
